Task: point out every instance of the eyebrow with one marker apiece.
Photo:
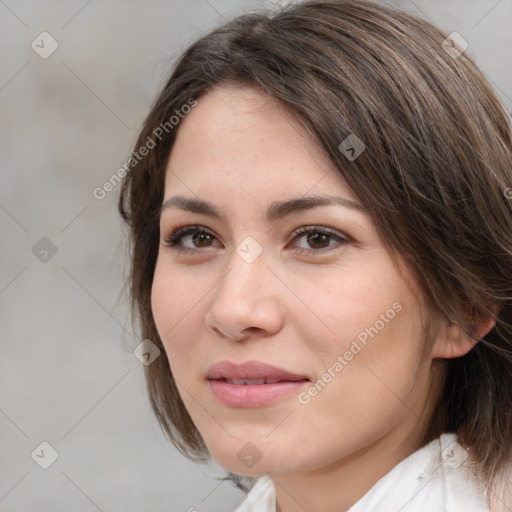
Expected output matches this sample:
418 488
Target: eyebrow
276 211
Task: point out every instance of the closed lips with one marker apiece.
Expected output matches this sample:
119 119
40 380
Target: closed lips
252 382
251 373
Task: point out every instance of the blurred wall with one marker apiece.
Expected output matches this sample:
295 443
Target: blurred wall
68 120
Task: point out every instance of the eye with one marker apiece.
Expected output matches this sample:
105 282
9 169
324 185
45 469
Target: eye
197 236
317 239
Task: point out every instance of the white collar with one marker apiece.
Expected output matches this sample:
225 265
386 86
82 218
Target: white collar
434 478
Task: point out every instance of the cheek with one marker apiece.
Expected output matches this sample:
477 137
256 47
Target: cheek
349 303
373 337
369 392
163 303
175 305
376 365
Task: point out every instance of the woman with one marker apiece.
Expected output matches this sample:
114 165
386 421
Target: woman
321 240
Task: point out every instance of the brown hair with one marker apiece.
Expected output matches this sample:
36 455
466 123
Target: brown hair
434 176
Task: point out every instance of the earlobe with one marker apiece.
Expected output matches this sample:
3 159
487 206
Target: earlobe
454 341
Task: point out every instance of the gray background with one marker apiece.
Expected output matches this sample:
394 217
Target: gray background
68 375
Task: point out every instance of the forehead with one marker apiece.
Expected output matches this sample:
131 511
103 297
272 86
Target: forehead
242 139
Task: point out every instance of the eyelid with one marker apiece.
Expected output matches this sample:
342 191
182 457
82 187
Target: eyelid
178 232
333 233
321 229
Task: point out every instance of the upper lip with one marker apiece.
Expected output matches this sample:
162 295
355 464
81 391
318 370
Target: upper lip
250 370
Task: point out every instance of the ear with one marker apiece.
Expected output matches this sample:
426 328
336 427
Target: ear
453 340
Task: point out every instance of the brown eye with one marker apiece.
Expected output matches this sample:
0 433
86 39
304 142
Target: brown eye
190 238
318 239
201 239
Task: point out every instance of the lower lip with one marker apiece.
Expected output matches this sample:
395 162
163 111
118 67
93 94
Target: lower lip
256 395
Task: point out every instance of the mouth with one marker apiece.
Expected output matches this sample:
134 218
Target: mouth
252 384
251 372
255 382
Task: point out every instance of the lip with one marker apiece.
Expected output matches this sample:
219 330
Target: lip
285 383
250 370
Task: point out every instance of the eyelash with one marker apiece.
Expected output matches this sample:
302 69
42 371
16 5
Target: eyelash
174 238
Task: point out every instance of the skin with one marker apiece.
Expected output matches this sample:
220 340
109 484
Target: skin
238 150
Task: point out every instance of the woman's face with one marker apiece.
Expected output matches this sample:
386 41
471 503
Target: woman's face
325 304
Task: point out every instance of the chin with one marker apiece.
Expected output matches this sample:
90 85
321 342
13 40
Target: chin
248 458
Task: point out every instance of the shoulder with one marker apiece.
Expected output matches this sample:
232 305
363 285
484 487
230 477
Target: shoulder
500 496
435 477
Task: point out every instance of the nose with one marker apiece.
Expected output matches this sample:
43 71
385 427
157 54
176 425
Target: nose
246 301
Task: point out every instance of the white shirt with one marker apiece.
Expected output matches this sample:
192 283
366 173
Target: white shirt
434 479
